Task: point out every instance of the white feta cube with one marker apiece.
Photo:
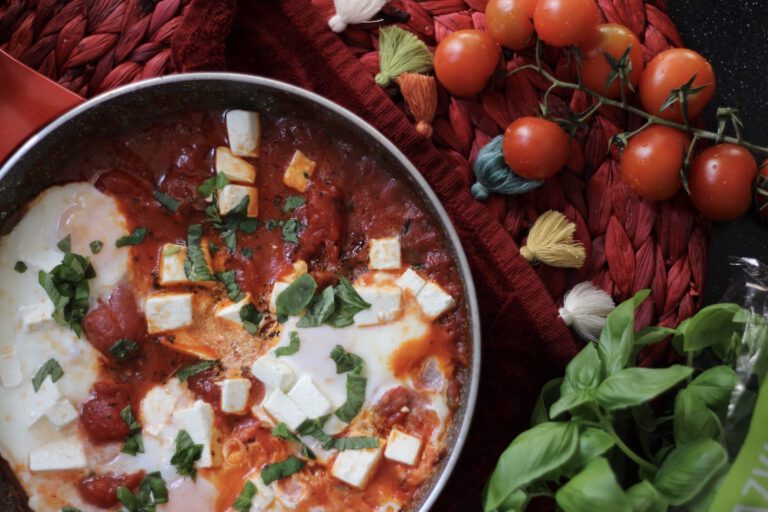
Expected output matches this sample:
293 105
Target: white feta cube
264 497
197 421
231 196
385 304
157 406
402 447
298 172
230 311
310 399
234 168
10 367
234 395
244 132
384 253
168 311
62 413
36 316
172 258
275 374
38 402
355 467
277 289
434 301
67 453
411 281
283 409
322 456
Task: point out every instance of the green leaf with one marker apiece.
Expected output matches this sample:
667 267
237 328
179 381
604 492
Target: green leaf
129 501
314 428
693 420
355 397
319 310
688 468
348 304
644 497
544 448
633 386
189 371
65 244
244 499
582 376
20 267
96 246
123 348
67 287
346 361
293 202
152 491
50 367
714 386
708 326
251 318
187 453
215 182
593 442
134 442
296 297
70 509
281 431
515 502
196 266
282 469
135 238
617 337
229 279
595 489
652 334
292 347
549 394
167 201
291 229
355 443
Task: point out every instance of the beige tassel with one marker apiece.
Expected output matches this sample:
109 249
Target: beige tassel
551 241
420 94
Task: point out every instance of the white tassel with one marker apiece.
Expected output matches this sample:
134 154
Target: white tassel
349 12
585 308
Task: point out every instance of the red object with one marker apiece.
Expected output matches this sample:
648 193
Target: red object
100 489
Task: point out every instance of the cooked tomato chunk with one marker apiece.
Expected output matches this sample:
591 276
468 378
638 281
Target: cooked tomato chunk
99 490
100 416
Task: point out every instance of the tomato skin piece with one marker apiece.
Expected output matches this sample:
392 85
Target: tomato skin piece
721 181
565 22
535 148
465 60
668 71
510 22
651 162
613 39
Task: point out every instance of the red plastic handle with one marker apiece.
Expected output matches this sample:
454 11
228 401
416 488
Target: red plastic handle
28 101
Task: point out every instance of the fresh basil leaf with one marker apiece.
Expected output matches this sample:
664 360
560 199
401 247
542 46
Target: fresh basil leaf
96 246
714 386
152 491
544 448
65 244
652 334
244 499
693 420
271 224
515 502
67 287
346 361
595 489
314 428
134 443
355 443
688 468
189 371
50 367
246 252
283 469
229 279
123 348
135 238
293 202
634 386
70 509
167 201
291 229
281 431
582 376
296 297
644 497
348 304
197 268
215 182
319 310
593 442
129 501
187 453
710 325
617 337
292 347
549 394
355 397
20 267
249 225
251 318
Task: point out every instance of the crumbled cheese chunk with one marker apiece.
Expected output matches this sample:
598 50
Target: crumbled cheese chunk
10 367
38 402
230 311
168 311
299 171
275 374
234 395
355 467
411 281
67 453
172 258
281 407
234 168
197 421
277 289
434 301
62 413
385 304
402 447
264 497
36 316
384 253
244 132
231 196
310 399
157 406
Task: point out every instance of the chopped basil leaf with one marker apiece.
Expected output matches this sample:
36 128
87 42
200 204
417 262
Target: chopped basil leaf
196 266
65 244
187 453
134 443
123 348
189 371
355 397
50 367
70 509
355 443
346 361
247 252
293 202
235 220
291 348
229 280
67 287
96 246
152 491
295 297
319 310
169 202
249 225
272 224
244 499
291 229
135 238
281 431
216 182
251 318
348 304
282 469
314 428
20 267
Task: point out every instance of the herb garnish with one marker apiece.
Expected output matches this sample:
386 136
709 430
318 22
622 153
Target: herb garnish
96 246
314 428
295 297
282 469
50 367
244 499
292 347
228 225
189 371
152 491
135 238
355 443
346 361
134 443
65 244
187 453
293 202
356 383
169 202
348 304
247 252
67 287
291 229
216 182
251 318
319 310
196 266
334 306
123 348
229 280
20 267
281 431
70 509
272 224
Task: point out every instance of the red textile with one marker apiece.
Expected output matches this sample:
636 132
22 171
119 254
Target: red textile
524 342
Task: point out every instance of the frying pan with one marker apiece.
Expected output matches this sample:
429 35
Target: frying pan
27 101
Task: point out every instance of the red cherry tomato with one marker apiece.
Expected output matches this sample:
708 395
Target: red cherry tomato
668 71
510 22
565 22
761 191
465 60
721 180
651 162
535 148
611 39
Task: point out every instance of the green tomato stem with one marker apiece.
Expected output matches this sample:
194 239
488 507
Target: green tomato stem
605 424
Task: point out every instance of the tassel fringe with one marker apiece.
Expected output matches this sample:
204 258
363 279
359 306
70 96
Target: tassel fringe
401 52
420 94
551 241
585 308
349 12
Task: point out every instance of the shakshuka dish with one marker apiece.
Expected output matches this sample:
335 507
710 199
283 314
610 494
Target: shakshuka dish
228 311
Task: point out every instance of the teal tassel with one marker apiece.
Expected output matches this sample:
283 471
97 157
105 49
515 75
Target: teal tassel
493 174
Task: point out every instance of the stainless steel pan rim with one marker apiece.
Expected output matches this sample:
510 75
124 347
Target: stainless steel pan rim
466 275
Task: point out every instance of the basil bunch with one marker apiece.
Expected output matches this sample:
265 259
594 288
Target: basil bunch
598 445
